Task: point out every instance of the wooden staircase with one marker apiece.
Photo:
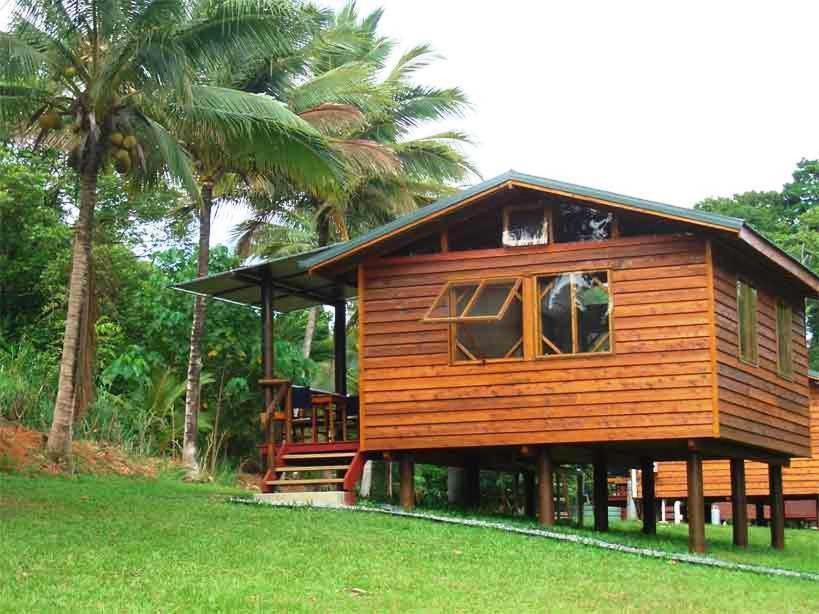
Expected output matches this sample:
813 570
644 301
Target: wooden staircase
310 468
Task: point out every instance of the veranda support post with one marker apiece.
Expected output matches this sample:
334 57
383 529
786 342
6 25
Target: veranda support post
340 347
739 503
268 363
696 504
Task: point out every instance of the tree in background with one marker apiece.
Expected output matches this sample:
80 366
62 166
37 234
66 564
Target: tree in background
239 142
84 77
790 219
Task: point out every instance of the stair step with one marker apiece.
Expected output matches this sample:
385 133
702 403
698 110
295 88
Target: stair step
310 456
298 482
312 468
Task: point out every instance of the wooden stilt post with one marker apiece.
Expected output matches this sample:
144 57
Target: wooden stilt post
529 494
580 499
777 507
739 503
649 499
601 492
545 487
472 487
407 471
558 488
696 504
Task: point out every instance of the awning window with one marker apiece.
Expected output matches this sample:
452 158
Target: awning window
474 301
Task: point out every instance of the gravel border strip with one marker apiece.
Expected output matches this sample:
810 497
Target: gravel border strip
691 559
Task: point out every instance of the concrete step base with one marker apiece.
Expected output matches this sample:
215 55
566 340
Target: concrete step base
312 498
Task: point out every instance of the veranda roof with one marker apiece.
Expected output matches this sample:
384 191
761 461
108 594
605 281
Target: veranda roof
293 286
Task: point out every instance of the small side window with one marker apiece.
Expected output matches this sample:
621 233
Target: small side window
581 223
525 225
784 339
747 323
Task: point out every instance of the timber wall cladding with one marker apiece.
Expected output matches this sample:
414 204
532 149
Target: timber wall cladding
657 384
801 478
757 406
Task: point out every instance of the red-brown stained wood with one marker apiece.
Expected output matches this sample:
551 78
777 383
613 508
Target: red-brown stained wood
656 384
758 406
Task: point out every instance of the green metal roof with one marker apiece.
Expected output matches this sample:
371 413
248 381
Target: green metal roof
648 206
297 288
813 375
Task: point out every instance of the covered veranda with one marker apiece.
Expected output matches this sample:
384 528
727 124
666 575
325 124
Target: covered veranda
299 418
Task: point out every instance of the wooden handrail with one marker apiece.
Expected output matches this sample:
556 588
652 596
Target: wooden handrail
283 396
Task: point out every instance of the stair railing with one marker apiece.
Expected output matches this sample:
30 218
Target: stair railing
279 411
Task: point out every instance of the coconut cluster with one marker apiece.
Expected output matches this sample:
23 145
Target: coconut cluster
123 151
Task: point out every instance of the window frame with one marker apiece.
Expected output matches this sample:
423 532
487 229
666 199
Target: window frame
538 354
519 285
789 373
480 282
754 361
548 218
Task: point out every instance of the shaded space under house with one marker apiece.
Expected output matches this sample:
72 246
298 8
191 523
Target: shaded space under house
524 324
800 480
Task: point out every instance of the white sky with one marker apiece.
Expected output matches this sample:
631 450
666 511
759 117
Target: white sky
667 101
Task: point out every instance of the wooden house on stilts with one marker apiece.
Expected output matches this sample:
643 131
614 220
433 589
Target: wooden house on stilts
526 323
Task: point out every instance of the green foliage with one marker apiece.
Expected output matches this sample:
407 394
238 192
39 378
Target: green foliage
32 193
790 219
27 384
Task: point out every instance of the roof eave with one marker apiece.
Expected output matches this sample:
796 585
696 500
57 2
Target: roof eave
782 259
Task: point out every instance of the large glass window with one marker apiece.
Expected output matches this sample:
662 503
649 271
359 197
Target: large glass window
574 313
486 318
784 338
581 223
747 322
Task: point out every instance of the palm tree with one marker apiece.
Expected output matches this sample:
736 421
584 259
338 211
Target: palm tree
87 77
341 69
235 168
342 65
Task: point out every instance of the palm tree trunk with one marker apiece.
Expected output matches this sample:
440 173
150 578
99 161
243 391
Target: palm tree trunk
309 331
61 433
192 397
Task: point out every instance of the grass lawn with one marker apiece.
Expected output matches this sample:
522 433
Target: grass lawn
801 546
124 544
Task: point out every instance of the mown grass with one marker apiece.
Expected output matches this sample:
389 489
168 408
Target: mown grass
134 545
801 549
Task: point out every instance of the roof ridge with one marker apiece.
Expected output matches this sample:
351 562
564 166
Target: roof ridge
576 186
